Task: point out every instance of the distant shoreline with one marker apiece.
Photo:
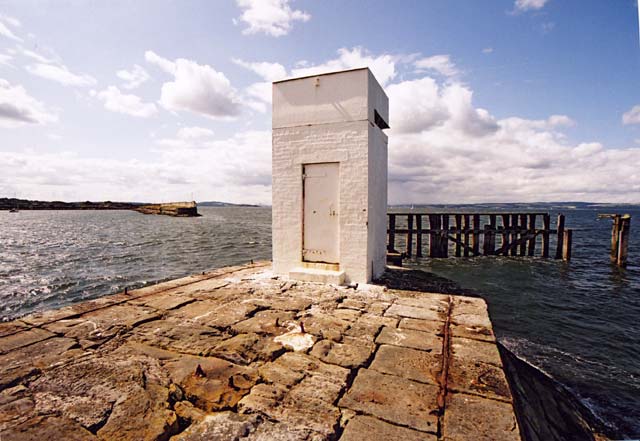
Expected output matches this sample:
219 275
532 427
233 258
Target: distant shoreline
26 204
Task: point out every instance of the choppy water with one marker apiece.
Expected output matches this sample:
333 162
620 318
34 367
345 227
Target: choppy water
578 321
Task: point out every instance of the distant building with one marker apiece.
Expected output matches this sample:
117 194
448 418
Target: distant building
330 177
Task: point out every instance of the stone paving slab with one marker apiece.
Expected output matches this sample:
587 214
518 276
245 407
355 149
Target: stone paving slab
238 353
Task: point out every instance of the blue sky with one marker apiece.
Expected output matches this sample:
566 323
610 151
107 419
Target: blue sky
514 100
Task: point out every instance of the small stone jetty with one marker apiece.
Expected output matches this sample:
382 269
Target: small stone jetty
176 209
238 353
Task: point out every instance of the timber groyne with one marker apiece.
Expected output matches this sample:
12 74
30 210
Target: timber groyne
239 352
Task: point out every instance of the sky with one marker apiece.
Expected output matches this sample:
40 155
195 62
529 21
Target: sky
162 100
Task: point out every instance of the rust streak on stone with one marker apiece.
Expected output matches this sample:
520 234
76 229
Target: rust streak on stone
444 374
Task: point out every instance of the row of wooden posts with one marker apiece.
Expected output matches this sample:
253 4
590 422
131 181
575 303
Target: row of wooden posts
506 234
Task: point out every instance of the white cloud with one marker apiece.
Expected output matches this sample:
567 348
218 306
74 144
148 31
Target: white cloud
271 17
440 64
632 116
487 50
134 77
189 137
60 74
18 108
382 66
529 5
116 101
5 60
216 171
196 88
5 22
268 71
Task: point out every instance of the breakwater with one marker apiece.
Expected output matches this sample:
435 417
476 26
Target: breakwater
177 209
239 351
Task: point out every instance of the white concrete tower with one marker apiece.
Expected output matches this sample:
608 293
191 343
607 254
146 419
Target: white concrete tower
330 177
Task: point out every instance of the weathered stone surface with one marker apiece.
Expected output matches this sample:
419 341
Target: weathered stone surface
210 357
365 428
398 310
471 417
475 351
12 327
475 332
432 326
247 348
477 377
351 353
46 428
470 311
408 363
23 338
29 360
211 383
394 399
165 301
410 338
179 336
270 322
220 426
100 325
214 313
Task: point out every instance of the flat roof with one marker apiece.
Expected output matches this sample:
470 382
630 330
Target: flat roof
320 74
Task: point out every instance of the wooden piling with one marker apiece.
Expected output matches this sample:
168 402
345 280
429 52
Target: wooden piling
409 235
514 235
546 226
505 235
458 235
392 233
490 236
467 235
623 241
566 244
523 227
560 236
418 235
476 235
532 231
615 237
444 237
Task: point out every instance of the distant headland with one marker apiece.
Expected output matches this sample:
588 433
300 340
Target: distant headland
179 209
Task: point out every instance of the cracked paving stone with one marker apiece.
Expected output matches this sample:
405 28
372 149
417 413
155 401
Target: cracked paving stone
214 313
265 322
165 301
432 326
365 428
12 327
350 353
394 399
29 360
179 336
23 338
475 351
246 348
220 426
410 338
220 385
47 428
482 418
408 363
398 310
478 378
475 332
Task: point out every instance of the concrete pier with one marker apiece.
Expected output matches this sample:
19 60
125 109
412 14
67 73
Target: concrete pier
239 353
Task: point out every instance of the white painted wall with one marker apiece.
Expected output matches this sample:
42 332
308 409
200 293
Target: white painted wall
329 118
